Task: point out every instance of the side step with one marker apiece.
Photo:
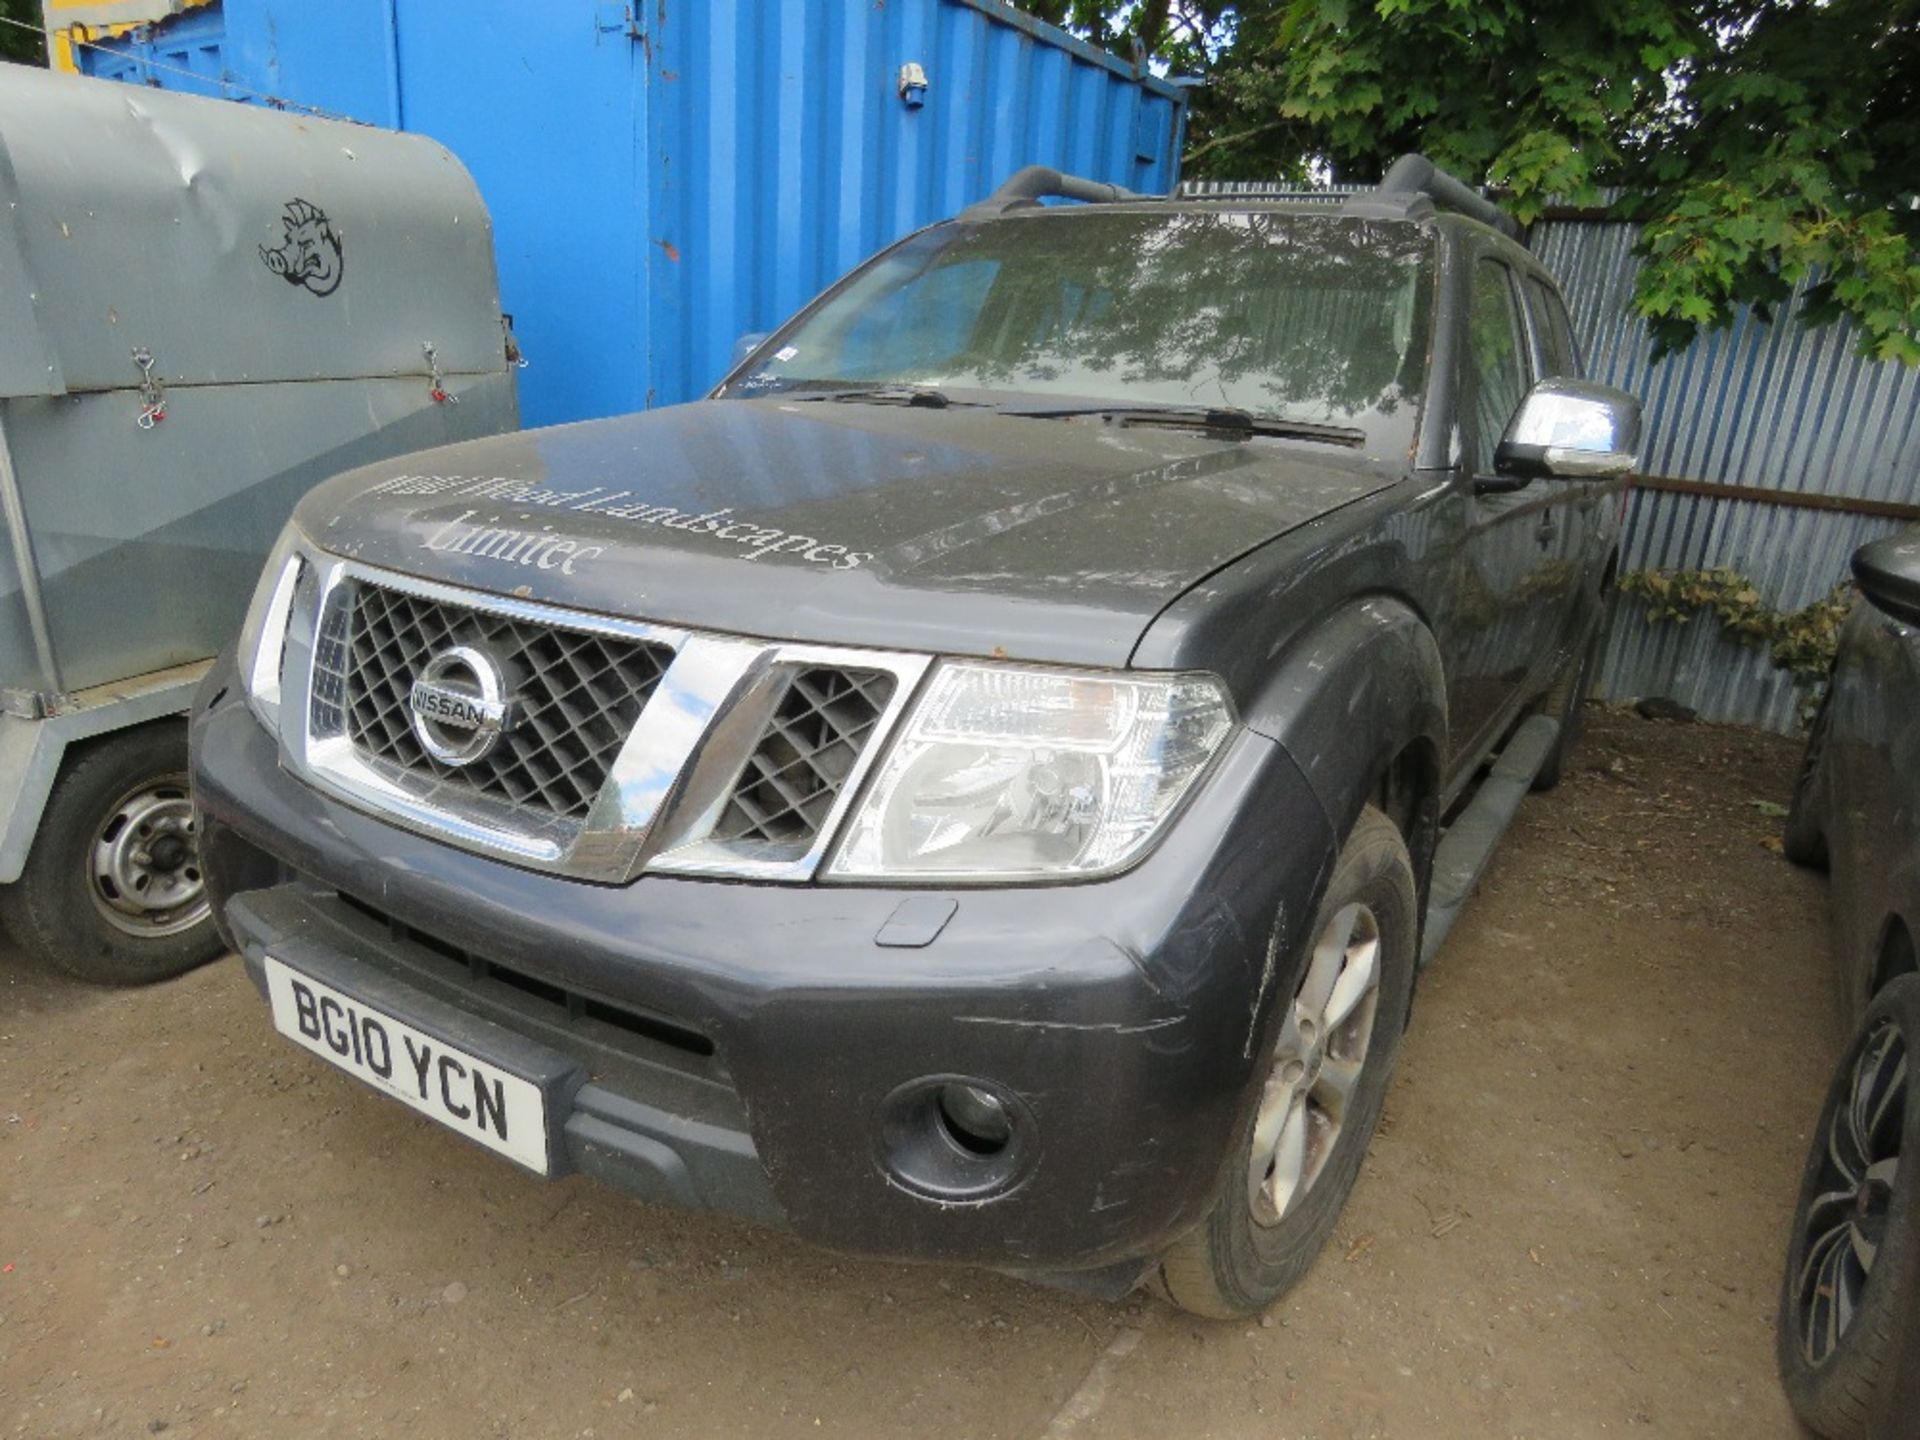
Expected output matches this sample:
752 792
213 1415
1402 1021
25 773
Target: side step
1461 857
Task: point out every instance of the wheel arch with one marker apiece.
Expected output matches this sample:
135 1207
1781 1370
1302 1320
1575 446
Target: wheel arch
1358 701
35 753
1408 793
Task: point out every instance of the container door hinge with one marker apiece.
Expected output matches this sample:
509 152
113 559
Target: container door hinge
33 704
619 20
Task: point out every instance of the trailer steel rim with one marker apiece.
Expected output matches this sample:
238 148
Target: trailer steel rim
144 865
1846 1221
1316 1065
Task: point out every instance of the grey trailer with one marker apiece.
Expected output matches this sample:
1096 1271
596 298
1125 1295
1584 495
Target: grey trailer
205 309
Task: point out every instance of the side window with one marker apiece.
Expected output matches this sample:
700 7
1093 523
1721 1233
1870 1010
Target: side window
1556 336
1496 360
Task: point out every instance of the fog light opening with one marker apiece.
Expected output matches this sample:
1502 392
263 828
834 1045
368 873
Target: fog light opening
954 1138
974 1119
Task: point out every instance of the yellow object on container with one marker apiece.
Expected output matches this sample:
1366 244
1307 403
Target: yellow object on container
73 22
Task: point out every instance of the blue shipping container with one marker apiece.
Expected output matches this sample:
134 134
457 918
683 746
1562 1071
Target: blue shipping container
668 175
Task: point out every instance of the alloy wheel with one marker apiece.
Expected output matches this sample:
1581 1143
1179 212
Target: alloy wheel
1847 1219
1317 1064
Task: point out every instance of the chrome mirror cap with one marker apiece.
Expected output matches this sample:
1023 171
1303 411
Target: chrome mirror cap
1573 429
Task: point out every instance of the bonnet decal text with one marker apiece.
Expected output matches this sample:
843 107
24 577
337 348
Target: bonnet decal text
472 533
491 540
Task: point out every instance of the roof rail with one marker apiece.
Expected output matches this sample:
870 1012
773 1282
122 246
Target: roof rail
1261 190
1414 185
1413 188
1025 189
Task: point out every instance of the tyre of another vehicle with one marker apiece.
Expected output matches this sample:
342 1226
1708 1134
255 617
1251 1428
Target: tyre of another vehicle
1852 1288
1300 1151
1803 838
112 891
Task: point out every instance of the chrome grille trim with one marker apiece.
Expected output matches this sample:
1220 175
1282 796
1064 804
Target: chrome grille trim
669 782
688 843
580 693
811 743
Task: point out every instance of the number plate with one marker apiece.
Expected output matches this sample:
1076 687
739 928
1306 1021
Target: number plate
503 1111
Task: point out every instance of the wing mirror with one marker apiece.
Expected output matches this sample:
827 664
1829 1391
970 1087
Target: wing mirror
1888 572
746 345
1572 429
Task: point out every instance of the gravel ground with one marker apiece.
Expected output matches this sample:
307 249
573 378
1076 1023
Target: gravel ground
1571 1224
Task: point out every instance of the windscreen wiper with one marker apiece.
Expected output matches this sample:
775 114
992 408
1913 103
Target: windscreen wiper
923 396
1226 419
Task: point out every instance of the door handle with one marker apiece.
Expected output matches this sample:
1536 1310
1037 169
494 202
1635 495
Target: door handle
1547 531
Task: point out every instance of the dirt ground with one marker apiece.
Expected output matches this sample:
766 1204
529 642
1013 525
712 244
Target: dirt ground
1571 1226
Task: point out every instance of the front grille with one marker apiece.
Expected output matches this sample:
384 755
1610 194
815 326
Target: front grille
796 725
805 754
579 693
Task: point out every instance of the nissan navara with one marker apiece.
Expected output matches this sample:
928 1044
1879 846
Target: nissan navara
972 787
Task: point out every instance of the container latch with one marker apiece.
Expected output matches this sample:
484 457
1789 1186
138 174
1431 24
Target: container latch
436 390
153 395
514 357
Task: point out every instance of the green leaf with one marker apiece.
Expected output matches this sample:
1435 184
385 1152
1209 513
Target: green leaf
1766 144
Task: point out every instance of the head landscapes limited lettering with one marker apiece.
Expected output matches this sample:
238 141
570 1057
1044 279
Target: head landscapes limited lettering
488 539
474 533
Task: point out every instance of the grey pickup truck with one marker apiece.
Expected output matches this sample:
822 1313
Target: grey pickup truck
980 785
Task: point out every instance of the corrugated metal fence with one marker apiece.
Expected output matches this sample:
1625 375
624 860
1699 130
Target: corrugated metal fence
1777 407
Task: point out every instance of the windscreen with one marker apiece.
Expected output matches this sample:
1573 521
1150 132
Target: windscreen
1302 318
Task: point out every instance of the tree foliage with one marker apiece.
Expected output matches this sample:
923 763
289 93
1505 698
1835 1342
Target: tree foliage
18 43
1760 143
1802 642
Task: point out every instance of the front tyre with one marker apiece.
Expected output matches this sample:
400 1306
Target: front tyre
112 891
1300 1152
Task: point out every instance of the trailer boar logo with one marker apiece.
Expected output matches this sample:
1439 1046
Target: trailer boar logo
309 255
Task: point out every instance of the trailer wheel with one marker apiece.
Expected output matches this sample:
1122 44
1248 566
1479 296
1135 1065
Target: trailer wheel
112 891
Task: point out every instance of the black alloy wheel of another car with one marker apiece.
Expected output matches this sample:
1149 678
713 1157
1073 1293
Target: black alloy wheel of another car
1853 1270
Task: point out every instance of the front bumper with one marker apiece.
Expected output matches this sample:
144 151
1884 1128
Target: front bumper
745 1047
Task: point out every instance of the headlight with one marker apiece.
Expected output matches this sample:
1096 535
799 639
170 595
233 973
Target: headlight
1007 773
263 637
